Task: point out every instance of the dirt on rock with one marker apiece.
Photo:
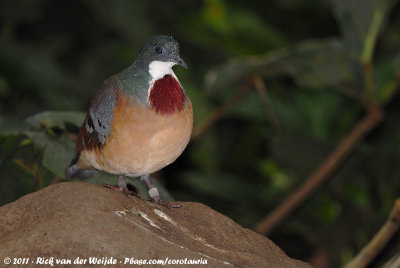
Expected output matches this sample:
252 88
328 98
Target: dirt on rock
77 222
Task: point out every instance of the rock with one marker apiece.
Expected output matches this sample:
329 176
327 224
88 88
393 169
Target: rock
68 221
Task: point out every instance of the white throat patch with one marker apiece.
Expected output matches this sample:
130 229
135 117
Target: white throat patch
158 69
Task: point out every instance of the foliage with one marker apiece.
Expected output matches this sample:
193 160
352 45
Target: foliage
320 63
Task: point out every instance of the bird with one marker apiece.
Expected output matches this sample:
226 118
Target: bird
139 121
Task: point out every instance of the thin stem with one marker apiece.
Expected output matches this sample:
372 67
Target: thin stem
370 40
370 81
221 110
262 91
367 53
378 242
322 173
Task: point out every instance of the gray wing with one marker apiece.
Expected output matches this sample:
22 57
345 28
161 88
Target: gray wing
97 125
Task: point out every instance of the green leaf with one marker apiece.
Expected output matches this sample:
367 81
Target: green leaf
360 22
14 182
38 71
9 144
4 87
324 208
387 73
214 14
249 26
50 119
278 178
227 29
57 152
311 64
356 193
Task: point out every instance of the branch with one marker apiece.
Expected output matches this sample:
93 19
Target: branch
372 35
262 91
321 174
393 262
378 242
221 110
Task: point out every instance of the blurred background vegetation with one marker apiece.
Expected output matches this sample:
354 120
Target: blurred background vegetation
276 85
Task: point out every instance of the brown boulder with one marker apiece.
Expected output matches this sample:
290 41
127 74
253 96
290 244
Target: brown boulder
78 220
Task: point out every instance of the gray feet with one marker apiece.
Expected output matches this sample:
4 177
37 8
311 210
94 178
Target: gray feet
155 196
153 191
122 187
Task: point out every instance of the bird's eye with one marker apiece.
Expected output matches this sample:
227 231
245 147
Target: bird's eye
158 49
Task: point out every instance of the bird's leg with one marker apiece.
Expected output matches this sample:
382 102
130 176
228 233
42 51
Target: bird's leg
153 191
154 195
122 187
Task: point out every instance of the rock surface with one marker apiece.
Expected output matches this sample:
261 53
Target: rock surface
71 220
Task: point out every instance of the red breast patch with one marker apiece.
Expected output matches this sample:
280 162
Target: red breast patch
166 96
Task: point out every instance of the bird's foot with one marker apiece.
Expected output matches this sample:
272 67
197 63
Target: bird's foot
169 205
155 197
123 189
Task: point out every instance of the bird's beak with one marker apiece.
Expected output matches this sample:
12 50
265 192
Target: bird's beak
178 60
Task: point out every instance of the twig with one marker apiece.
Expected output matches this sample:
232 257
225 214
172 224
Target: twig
393 262
378 242
221 110
350 91
370 80
320 175
262 91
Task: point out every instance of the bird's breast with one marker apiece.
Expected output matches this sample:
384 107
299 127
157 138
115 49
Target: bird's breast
143 140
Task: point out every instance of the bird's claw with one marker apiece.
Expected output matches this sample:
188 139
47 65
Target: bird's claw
125 190
169 205
155 197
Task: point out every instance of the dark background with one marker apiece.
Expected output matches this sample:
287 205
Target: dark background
317 59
